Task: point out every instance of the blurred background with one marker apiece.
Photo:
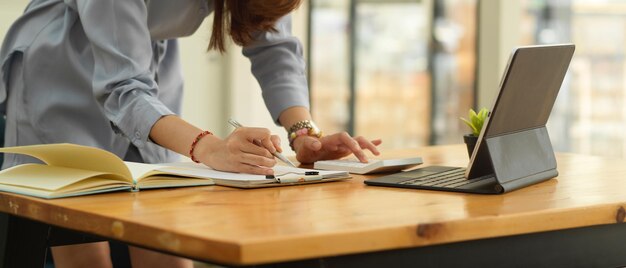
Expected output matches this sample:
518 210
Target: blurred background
406 70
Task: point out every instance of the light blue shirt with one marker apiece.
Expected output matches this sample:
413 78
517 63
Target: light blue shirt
102 72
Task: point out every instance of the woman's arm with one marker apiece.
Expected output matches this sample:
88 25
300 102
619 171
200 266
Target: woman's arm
278 65
122 81
236 153
125 87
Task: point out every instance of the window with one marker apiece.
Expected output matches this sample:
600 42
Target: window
590 114
400 70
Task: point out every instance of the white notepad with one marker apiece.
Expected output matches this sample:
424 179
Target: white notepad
373 166
283 175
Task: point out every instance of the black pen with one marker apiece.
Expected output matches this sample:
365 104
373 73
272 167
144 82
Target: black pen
278 155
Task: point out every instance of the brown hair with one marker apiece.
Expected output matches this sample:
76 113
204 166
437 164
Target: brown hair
242 18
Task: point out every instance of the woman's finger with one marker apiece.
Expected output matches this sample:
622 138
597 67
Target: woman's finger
251 148
354 147
342 150
262 137
252 169
252 140
366 144
276 142
255 160
267 144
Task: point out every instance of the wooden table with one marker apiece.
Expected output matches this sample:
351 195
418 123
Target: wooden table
350 223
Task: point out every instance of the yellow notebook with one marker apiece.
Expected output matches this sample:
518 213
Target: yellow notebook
72 170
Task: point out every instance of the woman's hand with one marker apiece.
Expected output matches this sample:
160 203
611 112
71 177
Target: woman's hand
245 150
310 149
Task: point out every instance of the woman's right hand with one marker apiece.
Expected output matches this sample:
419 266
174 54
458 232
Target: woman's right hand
245 150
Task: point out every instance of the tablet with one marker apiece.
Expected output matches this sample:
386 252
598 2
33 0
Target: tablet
373 166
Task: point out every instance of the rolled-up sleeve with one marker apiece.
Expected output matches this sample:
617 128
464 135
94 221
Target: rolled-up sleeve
123 82
279 67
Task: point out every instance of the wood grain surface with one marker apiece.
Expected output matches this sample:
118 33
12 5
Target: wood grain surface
237 226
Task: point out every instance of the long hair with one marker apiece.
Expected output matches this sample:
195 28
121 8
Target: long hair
242 18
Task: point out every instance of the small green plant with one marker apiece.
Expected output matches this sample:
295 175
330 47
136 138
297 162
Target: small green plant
476 120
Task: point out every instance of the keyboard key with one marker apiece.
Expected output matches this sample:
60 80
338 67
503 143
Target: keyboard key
443 179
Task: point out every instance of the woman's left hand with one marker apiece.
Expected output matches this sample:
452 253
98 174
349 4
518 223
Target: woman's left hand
310 149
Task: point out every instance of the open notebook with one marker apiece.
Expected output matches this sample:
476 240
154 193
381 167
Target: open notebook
72 170
283 175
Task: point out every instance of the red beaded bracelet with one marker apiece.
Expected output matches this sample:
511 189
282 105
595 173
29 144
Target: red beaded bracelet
195 141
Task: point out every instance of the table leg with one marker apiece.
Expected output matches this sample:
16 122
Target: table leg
24 242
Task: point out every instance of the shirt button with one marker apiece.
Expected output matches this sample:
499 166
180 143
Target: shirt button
137 135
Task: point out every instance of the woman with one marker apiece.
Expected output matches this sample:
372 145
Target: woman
105 73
